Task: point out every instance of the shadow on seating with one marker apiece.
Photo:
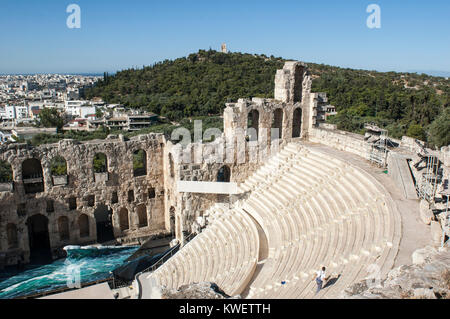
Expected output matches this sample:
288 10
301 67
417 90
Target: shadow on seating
331 281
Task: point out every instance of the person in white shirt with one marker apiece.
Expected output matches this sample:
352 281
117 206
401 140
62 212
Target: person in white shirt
320 278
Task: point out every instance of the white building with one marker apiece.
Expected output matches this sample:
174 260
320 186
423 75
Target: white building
79 109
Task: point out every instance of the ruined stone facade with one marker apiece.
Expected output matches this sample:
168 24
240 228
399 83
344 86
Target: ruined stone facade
72 205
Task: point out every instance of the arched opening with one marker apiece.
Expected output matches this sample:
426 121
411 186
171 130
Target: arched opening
142 216
32 176
6 174
253 125
103 220
123 219
11 233
63 228
100 163
297 122
58 166
298 83
83 224
39 239
277 122
171 167
172 219
224 174
139 163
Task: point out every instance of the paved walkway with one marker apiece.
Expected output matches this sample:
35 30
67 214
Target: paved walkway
100 291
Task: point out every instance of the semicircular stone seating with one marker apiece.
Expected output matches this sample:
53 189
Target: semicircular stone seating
315 210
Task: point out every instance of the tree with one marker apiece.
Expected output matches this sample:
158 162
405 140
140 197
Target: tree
440 129
416 131
49 117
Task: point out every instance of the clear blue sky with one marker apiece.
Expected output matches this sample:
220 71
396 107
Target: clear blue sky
117 34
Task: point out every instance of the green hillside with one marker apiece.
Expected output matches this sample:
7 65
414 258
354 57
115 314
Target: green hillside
201 84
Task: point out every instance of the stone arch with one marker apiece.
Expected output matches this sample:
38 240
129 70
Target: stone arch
171 166
63 228
139 163
32 176
297 122
6 172
142 215
123 219
224 174
277 122
83 225
11 233
39 238
253 123
100 163
58 166
103 220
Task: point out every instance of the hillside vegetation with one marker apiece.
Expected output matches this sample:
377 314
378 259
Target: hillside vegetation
200 85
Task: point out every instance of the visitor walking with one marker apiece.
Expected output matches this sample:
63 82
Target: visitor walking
320 277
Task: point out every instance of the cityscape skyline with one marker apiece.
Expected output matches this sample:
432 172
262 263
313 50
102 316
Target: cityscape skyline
116 35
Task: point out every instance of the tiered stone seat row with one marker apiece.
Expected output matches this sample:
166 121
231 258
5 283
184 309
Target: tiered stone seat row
319 211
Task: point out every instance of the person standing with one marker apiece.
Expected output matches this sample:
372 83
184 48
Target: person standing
320 278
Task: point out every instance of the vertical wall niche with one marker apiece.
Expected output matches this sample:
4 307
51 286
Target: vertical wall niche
172 219
151 193
72 202
297 122
171 166
50 208
63 228
91 200
21 209
83 225
114 198
224 174
277 123
253 125
131 196
11 233
123 219
142 216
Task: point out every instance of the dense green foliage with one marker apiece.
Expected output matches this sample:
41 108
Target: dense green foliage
202 83
58 166
198 85
404 103
5 172
439 130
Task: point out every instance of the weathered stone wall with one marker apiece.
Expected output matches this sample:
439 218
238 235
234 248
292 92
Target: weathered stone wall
343 141
17 207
